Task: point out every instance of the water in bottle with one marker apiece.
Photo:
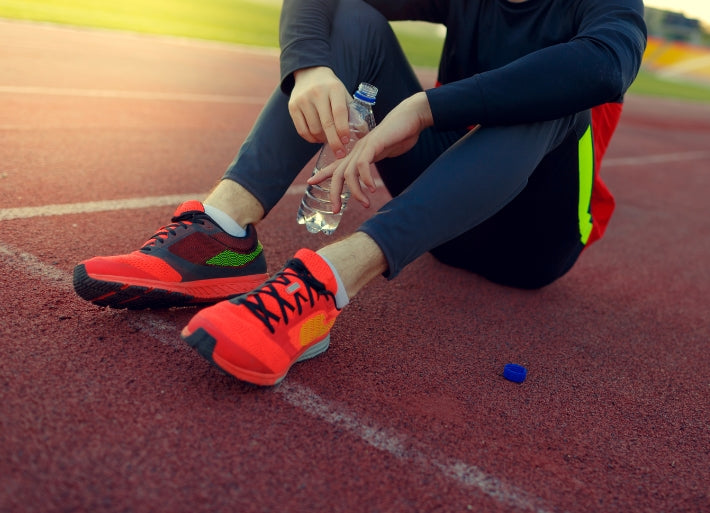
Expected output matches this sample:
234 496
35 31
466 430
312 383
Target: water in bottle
316 211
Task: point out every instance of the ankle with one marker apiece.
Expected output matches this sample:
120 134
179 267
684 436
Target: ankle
236 202
356 260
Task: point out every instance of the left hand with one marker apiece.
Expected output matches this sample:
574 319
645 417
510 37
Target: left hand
396 134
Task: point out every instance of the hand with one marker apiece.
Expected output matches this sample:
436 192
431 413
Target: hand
396 134
319 108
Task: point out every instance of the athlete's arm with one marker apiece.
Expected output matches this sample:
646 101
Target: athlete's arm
594 67
318 100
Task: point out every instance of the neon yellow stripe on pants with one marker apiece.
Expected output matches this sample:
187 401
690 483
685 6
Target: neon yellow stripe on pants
586 176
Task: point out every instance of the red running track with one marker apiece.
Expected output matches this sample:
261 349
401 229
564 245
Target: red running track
101 134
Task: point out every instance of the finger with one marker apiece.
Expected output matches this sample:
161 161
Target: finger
341 112
332 137
334 119
299 123
337 182
352 180
366 177
315 129
363 158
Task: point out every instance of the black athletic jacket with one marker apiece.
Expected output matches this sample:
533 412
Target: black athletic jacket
502 62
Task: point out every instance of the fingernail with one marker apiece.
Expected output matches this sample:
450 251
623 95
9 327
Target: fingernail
340 154
345 139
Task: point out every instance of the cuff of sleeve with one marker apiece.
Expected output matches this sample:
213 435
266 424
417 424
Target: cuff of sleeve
293 58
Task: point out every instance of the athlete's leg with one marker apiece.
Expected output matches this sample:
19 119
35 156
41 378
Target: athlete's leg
468 184
539 235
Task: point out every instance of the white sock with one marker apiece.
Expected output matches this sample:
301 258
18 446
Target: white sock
225 222
341 296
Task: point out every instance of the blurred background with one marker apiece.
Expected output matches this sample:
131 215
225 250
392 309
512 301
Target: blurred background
676 64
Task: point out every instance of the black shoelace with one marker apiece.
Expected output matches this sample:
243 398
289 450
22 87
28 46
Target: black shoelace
182 221
293 269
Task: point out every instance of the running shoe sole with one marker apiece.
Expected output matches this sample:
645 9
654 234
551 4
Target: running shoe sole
140 294
205 345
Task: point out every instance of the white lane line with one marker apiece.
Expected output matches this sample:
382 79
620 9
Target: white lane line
88 207
29 263
175 199
7 214
402 447
133 95
663 158
148 322
409 450
60 209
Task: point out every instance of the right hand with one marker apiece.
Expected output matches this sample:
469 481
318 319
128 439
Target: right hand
319 108
396 134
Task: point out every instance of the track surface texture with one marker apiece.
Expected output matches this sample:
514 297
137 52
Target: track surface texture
102 134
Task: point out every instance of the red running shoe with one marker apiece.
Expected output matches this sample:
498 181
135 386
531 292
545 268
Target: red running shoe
258 336
192 260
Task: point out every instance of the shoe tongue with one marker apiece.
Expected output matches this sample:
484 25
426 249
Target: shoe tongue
189 206
318 267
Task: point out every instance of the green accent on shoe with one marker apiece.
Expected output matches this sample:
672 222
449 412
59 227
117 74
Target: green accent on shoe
229 258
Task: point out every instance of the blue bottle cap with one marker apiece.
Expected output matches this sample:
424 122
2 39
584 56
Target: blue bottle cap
366 92
515 372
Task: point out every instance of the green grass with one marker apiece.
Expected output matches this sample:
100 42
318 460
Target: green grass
254 22
650 85
234 21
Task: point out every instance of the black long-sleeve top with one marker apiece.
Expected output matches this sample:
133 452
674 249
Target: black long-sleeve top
502 62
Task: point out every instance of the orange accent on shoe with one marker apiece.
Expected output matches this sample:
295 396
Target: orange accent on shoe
314 329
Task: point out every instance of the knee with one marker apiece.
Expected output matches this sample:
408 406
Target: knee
359 18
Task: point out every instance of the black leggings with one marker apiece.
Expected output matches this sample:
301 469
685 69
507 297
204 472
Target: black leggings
503 202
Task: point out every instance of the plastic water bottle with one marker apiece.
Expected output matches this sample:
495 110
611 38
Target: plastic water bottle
316 211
